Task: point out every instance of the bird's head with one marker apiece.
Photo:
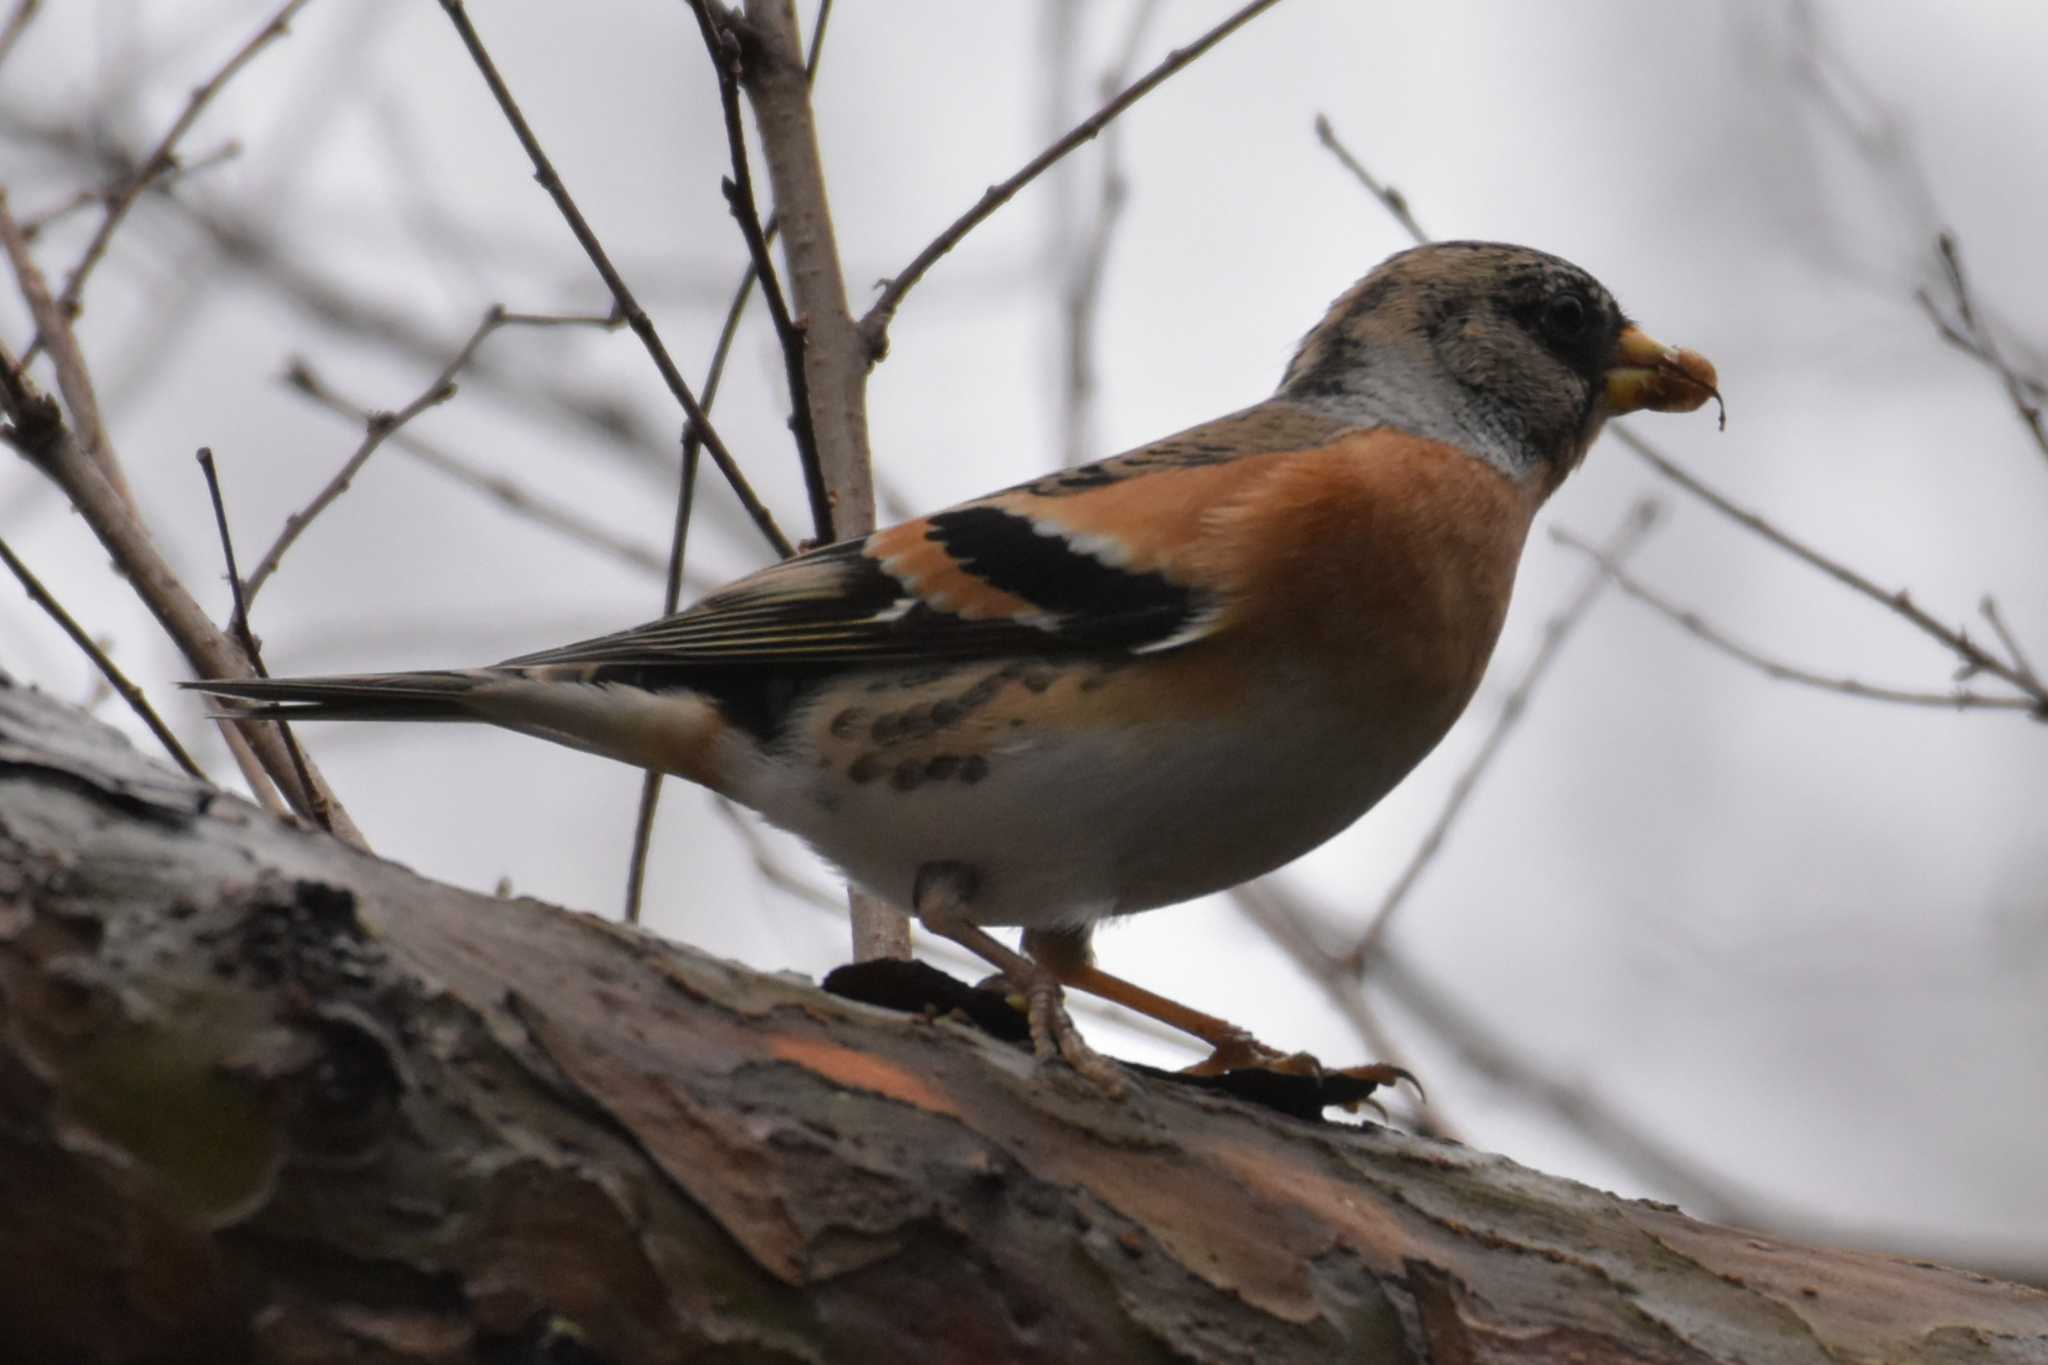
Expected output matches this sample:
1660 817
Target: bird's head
1511 353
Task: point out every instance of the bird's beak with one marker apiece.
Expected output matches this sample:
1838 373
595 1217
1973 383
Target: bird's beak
1648 374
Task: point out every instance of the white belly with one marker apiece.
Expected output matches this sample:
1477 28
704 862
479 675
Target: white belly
1065 826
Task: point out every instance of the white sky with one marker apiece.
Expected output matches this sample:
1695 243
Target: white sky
1803 939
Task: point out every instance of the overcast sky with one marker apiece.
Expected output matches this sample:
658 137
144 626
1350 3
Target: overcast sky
1801 939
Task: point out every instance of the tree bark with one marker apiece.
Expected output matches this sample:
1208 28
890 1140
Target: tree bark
265 1097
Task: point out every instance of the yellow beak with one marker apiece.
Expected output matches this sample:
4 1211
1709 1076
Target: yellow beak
1649 374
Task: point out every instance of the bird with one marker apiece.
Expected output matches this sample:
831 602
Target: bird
1128 684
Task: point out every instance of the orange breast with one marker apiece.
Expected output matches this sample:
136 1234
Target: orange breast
1389 557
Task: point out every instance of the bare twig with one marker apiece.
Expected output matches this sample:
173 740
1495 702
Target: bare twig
835 357
724 48
509 493
1281 920
17 23
1395 202
381 426
129 692
37 429
177 172
55 335
1974 657
1700 629
161 157
1989 606
1976 338
377 430
1635 525
1608 1127
874 325
672 595
629 307
238 626
650 784
1083 292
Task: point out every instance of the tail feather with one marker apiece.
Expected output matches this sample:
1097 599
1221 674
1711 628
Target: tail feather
439 696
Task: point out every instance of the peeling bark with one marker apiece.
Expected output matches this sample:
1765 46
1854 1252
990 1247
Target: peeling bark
264 1097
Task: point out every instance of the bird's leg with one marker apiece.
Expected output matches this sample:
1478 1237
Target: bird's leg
1069 957
940 898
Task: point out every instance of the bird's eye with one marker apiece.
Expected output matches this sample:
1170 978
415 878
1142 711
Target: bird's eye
1565 317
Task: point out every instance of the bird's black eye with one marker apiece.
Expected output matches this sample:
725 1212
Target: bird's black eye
1565 317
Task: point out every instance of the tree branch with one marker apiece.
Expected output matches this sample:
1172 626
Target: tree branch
874 325
273 1099
628 306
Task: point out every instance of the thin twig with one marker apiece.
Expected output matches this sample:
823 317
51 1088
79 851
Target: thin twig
37 430
1083 293
650 784
129 692
672 595
1635 525
1900 603
238 626
1263 903
381 426
1395 202
17 22
514 496
724 49
1700 629
56 336
1611 1129
1977 339
629 307
778 86
160 158
1989 606
34 226
874 325
377 430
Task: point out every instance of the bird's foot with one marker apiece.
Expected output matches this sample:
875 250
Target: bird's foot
1239 1050
1053 1033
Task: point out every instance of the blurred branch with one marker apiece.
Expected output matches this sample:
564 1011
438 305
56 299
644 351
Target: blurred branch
1391 199
379 427
1696 626
776 77
1282 922
17 23
628 307
1973 337
37 429
161 158
119 681
874 325
1082 296
509 493
34 226
55 335
1579 1108
1635 525
651 781
1974 657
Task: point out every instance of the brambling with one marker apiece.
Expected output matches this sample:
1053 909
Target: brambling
1135 682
